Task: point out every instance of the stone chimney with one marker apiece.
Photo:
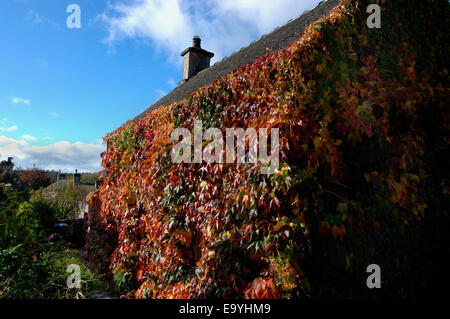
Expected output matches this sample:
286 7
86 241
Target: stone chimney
60 176
7 165
195 59
76 178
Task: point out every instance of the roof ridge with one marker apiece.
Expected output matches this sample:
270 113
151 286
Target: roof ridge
267 34
287 34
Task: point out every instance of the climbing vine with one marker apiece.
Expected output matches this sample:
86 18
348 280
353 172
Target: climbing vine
363 121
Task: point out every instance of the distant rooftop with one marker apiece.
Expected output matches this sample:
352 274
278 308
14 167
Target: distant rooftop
62 184
278 39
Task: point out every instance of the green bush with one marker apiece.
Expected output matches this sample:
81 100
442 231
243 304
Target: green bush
65 200
19 222
42 273
27 268
47 216
123 282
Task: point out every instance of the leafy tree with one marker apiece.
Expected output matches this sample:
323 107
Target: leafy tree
71 199
89 178
35 178
47 216
18 220
10 176
66 200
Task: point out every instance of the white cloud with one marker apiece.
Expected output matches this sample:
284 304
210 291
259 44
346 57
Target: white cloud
29 137
35 17
160 93
224 26
12 147
38 19
160 20
61 155
9 129
265 14
19 100
5 128
171 83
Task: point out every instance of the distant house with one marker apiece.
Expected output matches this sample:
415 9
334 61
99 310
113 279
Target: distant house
7 174
7 165
196 61
80 191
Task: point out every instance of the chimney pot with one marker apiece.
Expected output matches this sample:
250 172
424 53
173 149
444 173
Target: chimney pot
196 42
76 178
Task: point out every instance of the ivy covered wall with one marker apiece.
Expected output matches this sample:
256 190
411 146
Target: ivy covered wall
363 175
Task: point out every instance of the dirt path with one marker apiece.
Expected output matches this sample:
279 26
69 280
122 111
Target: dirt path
97 294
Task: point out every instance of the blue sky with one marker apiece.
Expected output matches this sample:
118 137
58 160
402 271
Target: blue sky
62 89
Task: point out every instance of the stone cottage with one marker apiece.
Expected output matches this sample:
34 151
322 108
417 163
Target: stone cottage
81 190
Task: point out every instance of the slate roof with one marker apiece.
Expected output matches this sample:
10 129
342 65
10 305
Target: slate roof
278 39
50 190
